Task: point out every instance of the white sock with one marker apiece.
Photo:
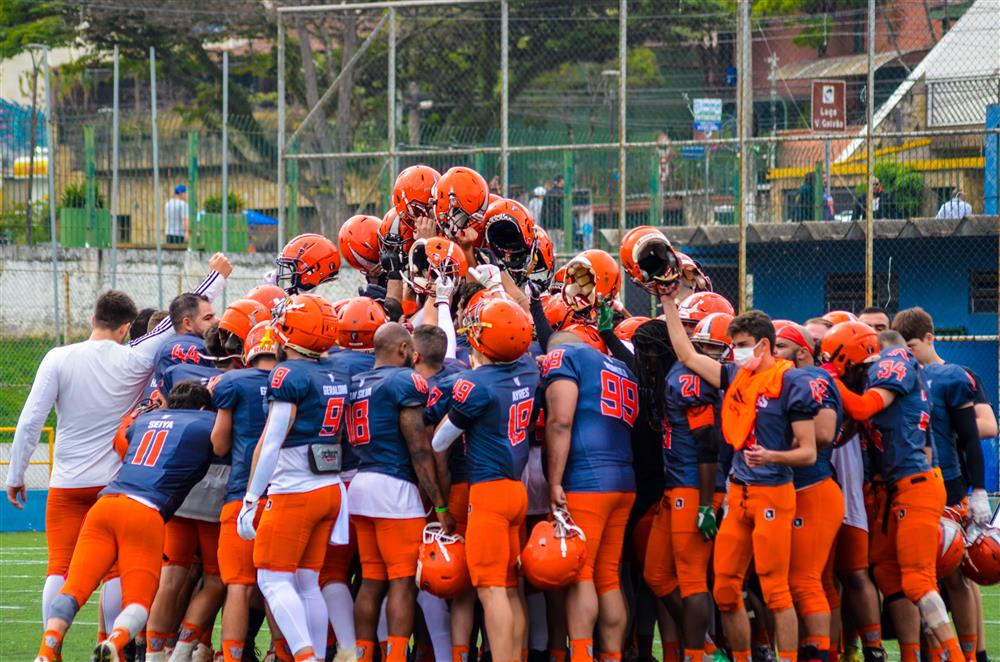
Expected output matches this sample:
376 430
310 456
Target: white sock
307 584
202 653
286 607
383 623
438 620
183 651
340 607
111 601
538 629
53 583
158 656
132 619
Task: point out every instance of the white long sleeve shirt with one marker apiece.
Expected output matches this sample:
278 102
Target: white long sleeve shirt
92 384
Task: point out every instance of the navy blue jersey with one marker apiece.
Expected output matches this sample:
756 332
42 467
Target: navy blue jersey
689 399
981 397
901 431
186 372
244 392
462 350
169 451
319 394
349 362
951 388
438 403
377 398
825 392
773 425
494 405
181 348
600 452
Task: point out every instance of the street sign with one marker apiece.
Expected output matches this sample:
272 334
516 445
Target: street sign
829 105
692 152
707 115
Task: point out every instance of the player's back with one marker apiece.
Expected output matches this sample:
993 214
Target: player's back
244 392
349 362
824 389
600 456
949 387
169 452
184 372
904 426
319 394
438 404
180 348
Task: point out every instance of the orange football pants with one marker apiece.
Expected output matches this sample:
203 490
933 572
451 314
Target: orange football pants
907 555
235 553
603 517
458 506
678 555
65 510
295 529
819 511
185 537
122 529
759 527
388 547
496 514
641 532
851 552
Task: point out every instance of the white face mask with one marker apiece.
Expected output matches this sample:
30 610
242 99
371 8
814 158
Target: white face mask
744 357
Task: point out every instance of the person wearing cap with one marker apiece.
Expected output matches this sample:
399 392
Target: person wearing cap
535 204
176 214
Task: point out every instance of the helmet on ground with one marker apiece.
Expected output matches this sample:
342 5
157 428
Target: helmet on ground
555 552
848 344
442 569
306 261
359 243
306 323
592 278
357 321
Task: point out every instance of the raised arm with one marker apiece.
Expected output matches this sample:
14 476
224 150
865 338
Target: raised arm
706 367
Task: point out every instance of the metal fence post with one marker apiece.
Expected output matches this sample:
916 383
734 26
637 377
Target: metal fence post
281 132
292 172
567 219
50 129
391 90
195 241
504 96
225 158
870 158
90 185
744 110
622 107
114 176
157 209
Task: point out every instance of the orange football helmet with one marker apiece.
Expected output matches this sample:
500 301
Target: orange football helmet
696 307
434 258
838 316
412 195
306 323
848 344
510 234
394 234
951 546
358 240
692 275
498 328
306 261
982 565
592 278
627 327
442 569
555 552
556 311
543 258
260 340
461 196
711 336
588 334
269 295
357 321
649 259
239 317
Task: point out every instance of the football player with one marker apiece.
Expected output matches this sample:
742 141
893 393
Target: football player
767 417
169 451
592 402
191 316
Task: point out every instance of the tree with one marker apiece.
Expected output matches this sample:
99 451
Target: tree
817 17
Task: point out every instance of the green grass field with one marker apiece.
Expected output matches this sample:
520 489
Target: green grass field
17 370
22 573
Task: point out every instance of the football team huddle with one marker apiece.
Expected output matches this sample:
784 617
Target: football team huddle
484 457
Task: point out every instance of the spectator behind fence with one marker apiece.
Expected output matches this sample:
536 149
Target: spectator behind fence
957 207
552 209
535 204
877 206
176 214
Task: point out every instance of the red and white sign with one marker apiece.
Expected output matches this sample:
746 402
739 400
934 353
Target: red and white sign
829 105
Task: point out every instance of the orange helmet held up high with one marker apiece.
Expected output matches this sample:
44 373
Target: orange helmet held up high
627 327
649 259
592 278
588 334
951 546
510 234
260 341
838 316
306 261
357 321
442 569
461 196
711 336
359 243
269 295
394 234
412 195
498 328
848 344
982 565
555 552
434 258
692 275
239 317
543 258
306 323
700 305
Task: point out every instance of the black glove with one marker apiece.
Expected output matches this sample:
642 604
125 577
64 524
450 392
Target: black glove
535 290
392 263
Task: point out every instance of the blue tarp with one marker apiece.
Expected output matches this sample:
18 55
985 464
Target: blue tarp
257 218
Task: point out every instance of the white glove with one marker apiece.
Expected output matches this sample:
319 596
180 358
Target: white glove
488 275
271 277
444 287
979 508
244 521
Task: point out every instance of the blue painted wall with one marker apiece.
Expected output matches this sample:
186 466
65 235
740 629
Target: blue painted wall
32 518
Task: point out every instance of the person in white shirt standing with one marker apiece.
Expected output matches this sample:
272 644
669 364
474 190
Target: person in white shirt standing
92 384
957 207
176 214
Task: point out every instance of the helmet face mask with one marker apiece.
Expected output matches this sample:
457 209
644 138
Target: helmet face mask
503 236
307 261
713 349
